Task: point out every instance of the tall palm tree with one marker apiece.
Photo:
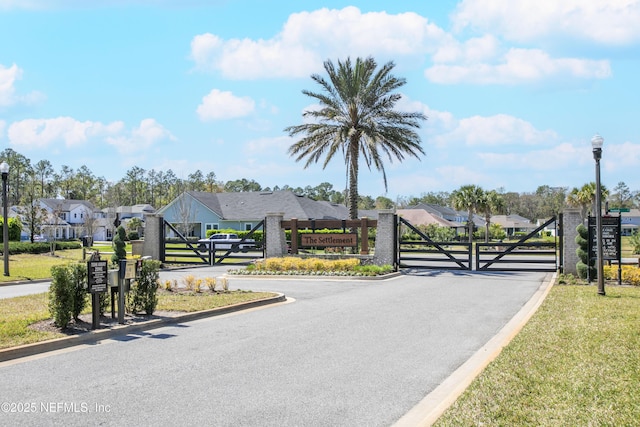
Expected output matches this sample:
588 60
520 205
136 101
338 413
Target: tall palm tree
491 202
468 197
357 117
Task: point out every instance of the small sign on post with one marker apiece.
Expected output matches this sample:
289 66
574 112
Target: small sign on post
97 274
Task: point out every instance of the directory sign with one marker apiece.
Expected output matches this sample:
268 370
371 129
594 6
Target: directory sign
611 242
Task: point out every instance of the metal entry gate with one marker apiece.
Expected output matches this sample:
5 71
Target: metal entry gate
183 250
424 253
523 255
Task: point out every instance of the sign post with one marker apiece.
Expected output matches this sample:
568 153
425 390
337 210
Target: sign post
97 281
128 270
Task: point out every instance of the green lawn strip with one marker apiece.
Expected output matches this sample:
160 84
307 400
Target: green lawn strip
576 362
20 312
33 267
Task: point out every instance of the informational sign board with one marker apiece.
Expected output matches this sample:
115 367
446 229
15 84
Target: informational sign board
97 272
611 242
325 239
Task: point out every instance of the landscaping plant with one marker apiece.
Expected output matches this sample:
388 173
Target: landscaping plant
61 296
143 295
78 276
119 245
584 267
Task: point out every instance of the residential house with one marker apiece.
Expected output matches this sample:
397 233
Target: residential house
124 214
70 219
196 212
513 224
442 215
630 221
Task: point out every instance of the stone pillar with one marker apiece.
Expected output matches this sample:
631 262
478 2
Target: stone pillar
385 238
274 238
153 245
571 219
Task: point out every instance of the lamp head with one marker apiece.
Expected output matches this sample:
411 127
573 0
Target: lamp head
4 168
596 143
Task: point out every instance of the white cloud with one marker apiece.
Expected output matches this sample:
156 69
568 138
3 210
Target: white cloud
41 133
621 157
501 129
559 157
222 105
3 124
142 138
277 145
603 21
519 66
8 96
456 176
309 37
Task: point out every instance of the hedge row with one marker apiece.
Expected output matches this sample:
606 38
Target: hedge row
39 247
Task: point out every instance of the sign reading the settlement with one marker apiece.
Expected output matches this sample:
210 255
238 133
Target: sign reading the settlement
336 239
97 276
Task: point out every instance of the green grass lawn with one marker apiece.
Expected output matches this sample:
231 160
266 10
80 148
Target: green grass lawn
20 312
576 363
32 267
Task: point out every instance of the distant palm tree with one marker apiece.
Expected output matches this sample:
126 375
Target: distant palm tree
357 117
491 202
585 197
468 197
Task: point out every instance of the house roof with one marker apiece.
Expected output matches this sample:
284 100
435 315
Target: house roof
423 217
512 221
441 211
249 205
66 205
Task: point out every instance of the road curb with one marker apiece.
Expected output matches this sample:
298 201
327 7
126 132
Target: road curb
429 409
103 334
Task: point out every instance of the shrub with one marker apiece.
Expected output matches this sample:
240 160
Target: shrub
630 274
211 283
584 267
634 240
61 296
78 276
189 281
143 294
133 235
119 245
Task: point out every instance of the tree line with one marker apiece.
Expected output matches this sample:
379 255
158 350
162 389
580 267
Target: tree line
28 182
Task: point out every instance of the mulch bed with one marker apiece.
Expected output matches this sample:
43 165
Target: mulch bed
83 325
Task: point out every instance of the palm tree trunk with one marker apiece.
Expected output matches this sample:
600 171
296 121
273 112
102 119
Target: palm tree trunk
353 178
487 220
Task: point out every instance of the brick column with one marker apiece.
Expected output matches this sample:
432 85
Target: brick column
274 238
571 219
153 245
385 238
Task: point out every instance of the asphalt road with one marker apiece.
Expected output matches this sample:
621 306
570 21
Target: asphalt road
343 353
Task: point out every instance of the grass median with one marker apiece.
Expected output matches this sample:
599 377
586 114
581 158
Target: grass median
21 312
576 362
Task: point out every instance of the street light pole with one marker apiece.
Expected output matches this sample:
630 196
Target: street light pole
4 169
596 143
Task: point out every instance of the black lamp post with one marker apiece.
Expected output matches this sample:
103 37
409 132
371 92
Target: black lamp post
596 143
4 169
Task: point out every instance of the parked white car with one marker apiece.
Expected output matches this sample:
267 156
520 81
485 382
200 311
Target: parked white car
226 241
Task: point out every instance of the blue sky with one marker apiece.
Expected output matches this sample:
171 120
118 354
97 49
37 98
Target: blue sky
513 91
